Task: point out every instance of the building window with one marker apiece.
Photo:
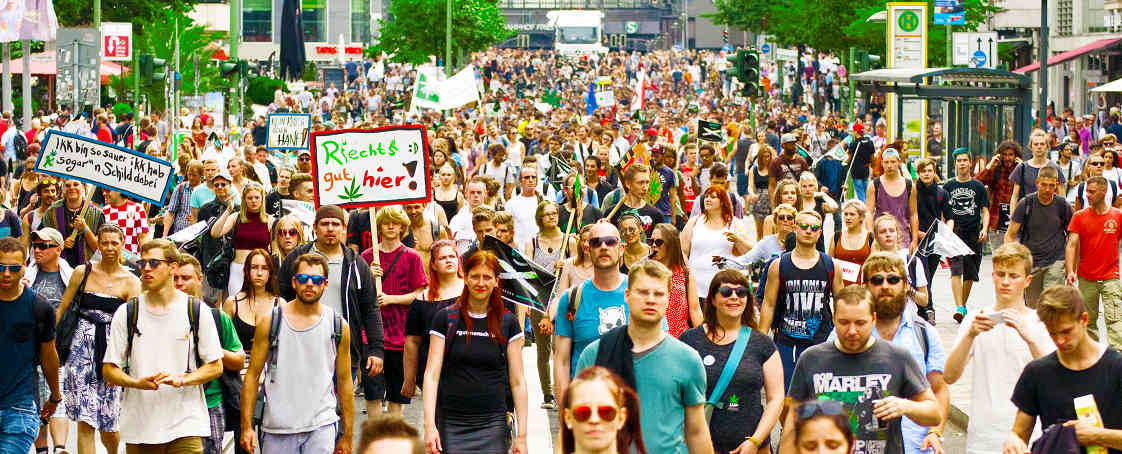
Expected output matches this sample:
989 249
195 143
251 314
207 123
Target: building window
1064 18
360 21
257 20
314 15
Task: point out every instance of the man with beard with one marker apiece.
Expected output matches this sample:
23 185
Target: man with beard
163 409
899 323
309 370
597 305
1094 168
864 373
349 289
797 297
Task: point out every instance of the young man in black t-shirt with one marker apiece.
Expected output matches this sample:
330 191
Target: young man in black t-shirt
968 214
1079 367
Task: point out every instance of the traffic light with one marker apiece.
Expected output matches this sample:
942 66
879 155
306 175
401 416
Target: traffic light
737 65
861 61
751 74
243 68
152 69
873 62
228 68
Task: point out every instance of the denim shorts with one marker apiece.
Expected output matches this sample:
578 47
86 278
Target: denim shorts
19 425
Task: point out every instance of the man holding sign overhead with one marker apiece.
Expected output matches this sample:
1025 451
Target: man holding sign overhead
77 220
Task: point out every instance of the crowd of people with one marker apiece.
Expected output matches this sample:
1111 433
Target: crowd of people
675 325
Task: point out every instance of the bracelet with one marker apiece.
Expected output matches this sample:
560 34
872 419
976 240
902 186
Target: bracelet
754 441
55 401
937 431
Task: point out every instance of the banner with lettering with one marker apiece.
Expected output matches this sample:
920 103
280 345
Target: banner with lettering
108 166
356 168
288 131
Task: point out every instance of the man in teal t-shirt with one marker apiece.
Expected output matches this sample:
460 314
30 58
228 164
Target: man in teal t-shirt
668 374
189 279
600 308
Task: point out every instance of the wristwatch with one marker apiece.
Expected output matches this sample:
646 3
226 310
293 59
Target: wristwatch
54 401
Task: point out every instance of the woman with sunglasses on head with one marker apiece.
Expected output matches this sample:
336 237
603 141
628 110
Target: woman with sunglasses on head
727 339
475 344
886 234
684 309
893 194
98 289
635 249
446 285
853 243
248 229
714 233
600 415
822 427
786 191
256 299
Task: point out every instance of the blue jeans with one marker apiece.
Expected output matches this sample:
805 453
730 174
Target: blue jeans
861 186
19 426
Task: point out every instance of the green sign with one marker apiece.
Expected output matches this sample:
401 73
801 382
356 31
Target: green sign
908 21
631 27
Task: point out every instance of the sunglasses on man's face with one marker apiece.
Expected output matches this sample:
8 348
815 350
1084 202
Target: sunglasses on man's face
43 246
880 279
607 241
315 278
583 413
150 263
810 227
785 217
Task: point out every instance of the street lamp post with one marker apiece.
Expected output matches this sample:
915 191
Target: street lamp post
1043 115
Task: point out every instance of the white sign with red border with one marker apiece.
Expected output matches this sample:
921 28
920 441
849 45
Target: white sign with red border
116 41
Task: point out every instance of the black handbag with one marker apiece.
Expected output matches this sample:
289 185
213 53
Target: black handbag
68 323
218 267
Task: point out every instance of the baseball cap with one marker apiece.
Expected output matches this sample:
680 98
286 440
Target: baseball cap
223 174
858 127
652 132
331 211
48 234
788 138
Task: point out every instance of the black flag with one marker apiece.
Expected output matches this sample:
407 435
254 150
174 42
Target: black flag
709 131
523 282
291 42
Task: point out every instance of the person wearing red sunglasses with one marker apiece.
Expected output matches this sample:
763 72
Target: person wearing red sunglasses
600 415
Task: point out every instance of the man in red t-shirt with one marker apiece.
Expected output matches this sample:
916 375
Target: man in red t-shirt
1092 259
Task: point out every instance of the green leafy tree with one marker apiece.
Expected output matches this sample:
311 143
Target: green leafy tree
141 13
417 29
836 25
159 40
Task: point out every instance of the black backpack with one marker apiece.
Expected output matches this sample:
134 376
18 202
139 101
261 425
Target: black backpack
19 144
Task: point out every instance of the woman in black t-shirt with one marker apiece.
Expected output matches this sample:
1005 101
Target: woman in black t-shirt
480 342
446 284
742 422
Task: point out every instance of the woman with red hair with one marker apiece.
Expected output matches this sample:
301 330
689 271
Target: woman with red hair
715 232
446 284
475 376
600 415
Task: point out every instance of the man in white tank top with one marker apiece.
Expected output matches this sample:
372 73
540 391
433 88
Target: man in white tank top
309 373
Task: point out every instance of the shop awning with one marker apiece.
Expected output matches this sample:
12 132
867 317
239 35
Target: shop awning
1071 54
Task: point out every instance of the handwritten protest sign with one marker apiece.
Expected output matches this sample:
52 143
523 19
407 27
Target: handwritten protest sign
107 166
367 167
287 131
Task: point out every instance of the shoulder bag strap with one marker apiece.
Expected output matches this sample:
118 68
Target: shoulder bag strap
730 367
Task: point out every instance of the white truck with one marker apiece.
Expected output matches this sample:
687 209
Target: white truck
577 32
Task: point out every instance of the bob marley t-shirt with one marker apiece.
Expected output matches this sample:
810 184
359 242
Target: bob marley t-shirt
857 380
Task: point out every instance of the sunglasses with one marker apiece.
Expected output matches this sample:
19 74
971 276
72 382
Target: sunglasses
288 232
656 242
811 227
43 246
304 278
785 217
305 158
11 268
608 241
727 291
1096 164
879 279
150 263
47 181
825 407
584 412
